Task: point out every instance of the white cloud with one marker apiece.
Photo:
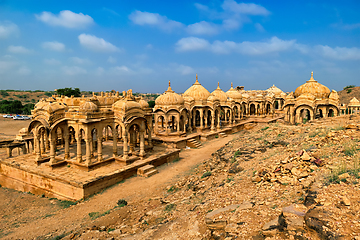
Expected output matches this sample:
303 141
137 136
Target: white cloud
80 61
244 8
7 66
259 27
24 71
153 19
111 60
149 46
225 47
7 29
19 49
192 44
66 18
99 71
121 70
96 44
53 46
185 70
339 53
202 27
73 70
52 61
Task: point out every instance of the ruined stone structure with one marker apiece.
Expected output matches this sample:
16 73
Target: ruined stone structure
310 101
64 121
352 108
82 145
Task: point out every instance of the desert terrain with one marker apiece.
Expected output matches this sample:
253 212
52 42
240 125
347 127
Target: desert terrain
272 181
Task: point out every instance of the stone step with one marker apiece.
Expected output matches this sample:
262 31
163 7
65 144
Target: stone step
193 143
149 174
222 135
145 169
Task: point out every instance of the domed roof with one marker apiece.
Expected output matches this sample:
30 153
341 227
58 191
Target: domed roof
275 90
213 98
49 106
306 96
334 95
143 103
290 96
245 95
127 103
313 87
169 98
88 106
234 94
220 94
198 92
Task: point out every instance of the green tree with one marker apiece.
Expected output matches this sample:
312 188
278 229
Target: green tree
69 92
151 104
27 108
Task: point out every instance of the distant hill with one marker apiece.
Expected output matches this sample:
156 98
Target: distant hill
347 94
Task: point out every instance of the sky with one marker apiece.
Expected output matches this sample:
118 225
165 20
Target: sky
118 45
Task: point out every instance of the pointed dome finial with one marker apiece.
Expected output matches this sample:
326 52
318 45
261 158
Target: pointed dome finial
231 85
197 78
169 88
312 76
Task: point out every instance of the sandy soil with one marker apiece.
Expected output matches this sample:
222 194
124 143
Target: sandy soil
10 127
24 216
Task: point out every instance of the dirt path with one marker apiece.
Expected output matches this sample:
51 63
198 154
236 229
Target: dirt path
133 190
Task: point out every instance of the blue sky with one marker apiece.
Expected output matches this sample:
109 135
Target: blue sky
105 45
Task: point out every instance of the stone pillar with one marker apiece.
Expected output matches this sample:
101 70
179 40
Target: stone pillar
167 129
115 153
99 148
52 149
178 126
125 148
88 152
37 145
201 119
142 144
67 146
78 148
218 122
42 144
212 122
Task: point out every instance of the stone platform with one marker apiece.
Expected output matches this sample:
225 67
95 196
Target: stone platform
69 181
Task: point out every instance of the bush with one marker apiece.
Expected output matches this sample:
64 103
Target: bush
349 86
122 203
349 90
206 174
4 93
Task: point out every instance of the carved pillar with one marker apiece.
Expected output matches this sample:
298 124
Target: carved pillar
218 122
99 148
67 144
42 144
201 119
52 149
88 151
115 153
125 148
167 127
37 138
142 144
212 121
78 148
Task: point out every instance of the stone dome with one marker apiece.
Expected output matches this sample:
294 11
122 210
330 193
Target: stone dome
144 104
313 87
334 96
198 92
306 96
246 96
169 98
50 106
126 105
88 106
213 98
234 94
220 94
275 90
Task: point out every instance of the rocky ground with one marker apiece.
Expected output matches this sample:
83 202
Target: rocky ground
273 181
